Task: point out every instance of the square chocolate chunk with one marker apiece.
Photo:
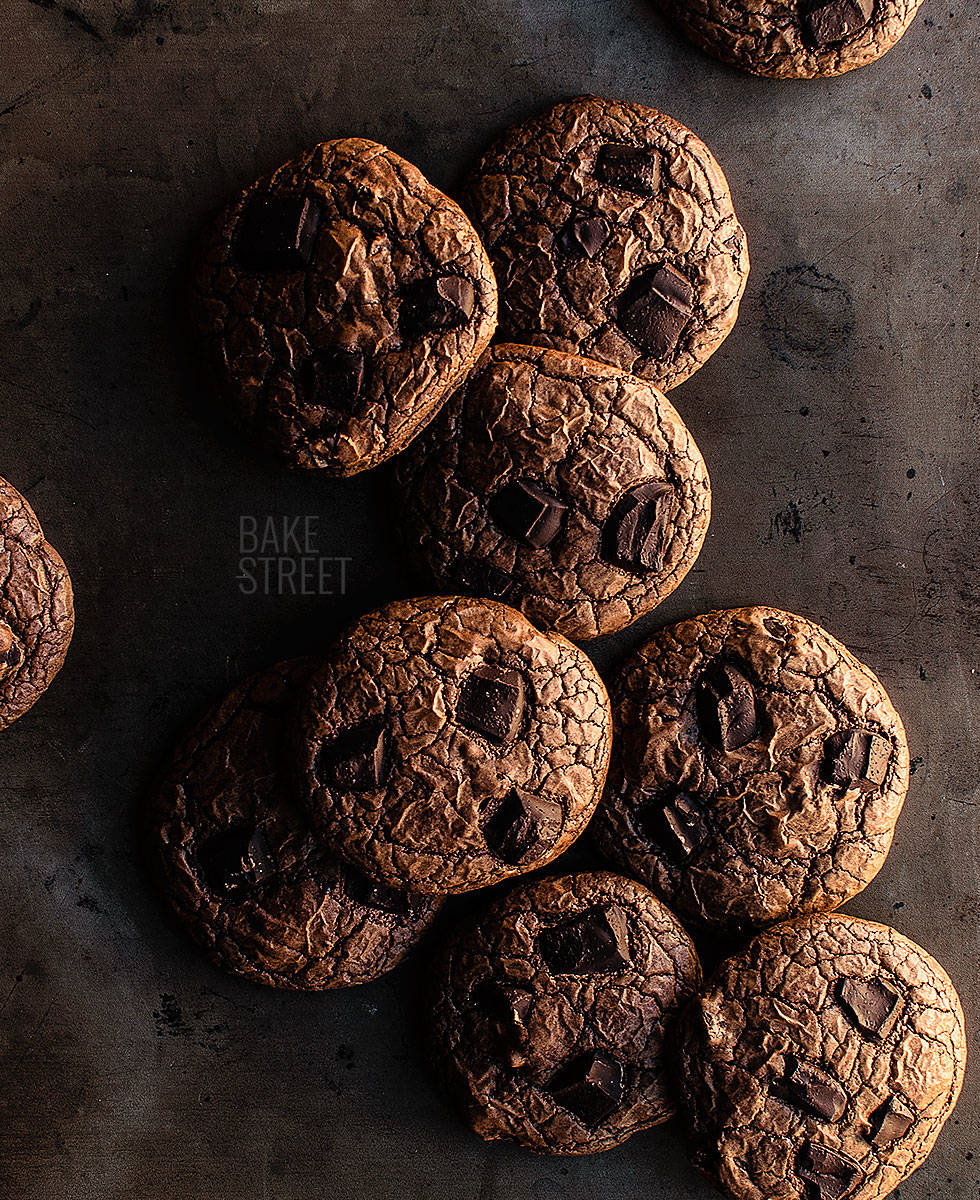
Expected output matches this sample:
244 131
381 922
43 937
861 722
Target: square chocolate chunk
276 233
491 702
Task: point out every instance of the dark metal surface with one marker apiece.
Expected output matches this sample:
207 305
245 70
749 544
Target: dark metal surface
840 423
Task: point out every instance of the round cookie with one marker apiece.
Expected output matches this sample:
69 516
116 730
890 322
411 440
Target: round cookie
339 300
612 234
447 744
758 773
37 614
551 1013
820 1063
234 853
794 39
560 485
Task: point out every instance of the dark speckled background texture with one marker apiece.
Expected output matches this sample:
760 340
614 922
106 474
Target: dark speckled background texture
840 423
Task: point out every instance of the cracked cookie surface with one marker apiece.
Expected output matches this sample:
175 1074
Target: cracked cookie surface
550 1013
536 433
448 744
235 855
758 770
820 1063
37 615
338 301
794 39
612 234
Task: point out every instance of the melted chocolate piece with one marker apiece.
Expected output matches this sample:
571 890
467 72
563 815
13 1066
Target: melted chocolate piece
869 1003
528 513
507 1009
829 21
590 1086
827 1174
491 702
356 760
811 1090
635 534
890 1121
596 940
632 168
857 758
521 824
236 859
655 309
678 826
726 708
583 237
433 305
372 894
483 579
276 233
333 379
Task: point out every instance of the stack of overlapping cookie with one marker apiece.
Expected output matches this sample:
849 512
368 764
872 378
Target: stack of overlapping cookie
749 774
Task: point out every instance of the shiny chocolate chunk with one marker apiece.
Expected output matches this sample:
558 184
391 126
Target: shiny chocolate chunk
528 513
583 237
829 21
11 654
436 304
235 860
857 758
506 1009
371 894
678 826
890 1121
356 760
521 824
636 532
811 1090
596 940
276 233
483 579
632 168
333 379
590 1086
726 708
655 309
869 1003
826 1174
491 702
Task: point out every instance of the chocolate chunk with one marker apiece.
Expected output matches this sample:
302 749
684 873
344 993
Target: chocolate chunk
857 758
357 759
482 578
236 859
372 894
491 701
635 534
333 379
655 309
827 1174
726 708
632 168
678 826
869 1003
528 513
436 304
596 940
808 1088
583 237
830 21
507 1009
276 233
890 1121
590 1086
521 824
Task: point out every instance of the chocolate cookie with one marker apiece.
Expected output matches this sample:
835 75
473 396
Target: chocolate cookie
551 1013
560 485
37 614
448 744
612 233
235 855
794 39
339 301
820 1063
759 769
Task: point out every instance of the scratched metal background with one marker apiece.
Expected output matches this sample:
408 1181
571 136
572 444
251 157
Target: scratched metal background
840 423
